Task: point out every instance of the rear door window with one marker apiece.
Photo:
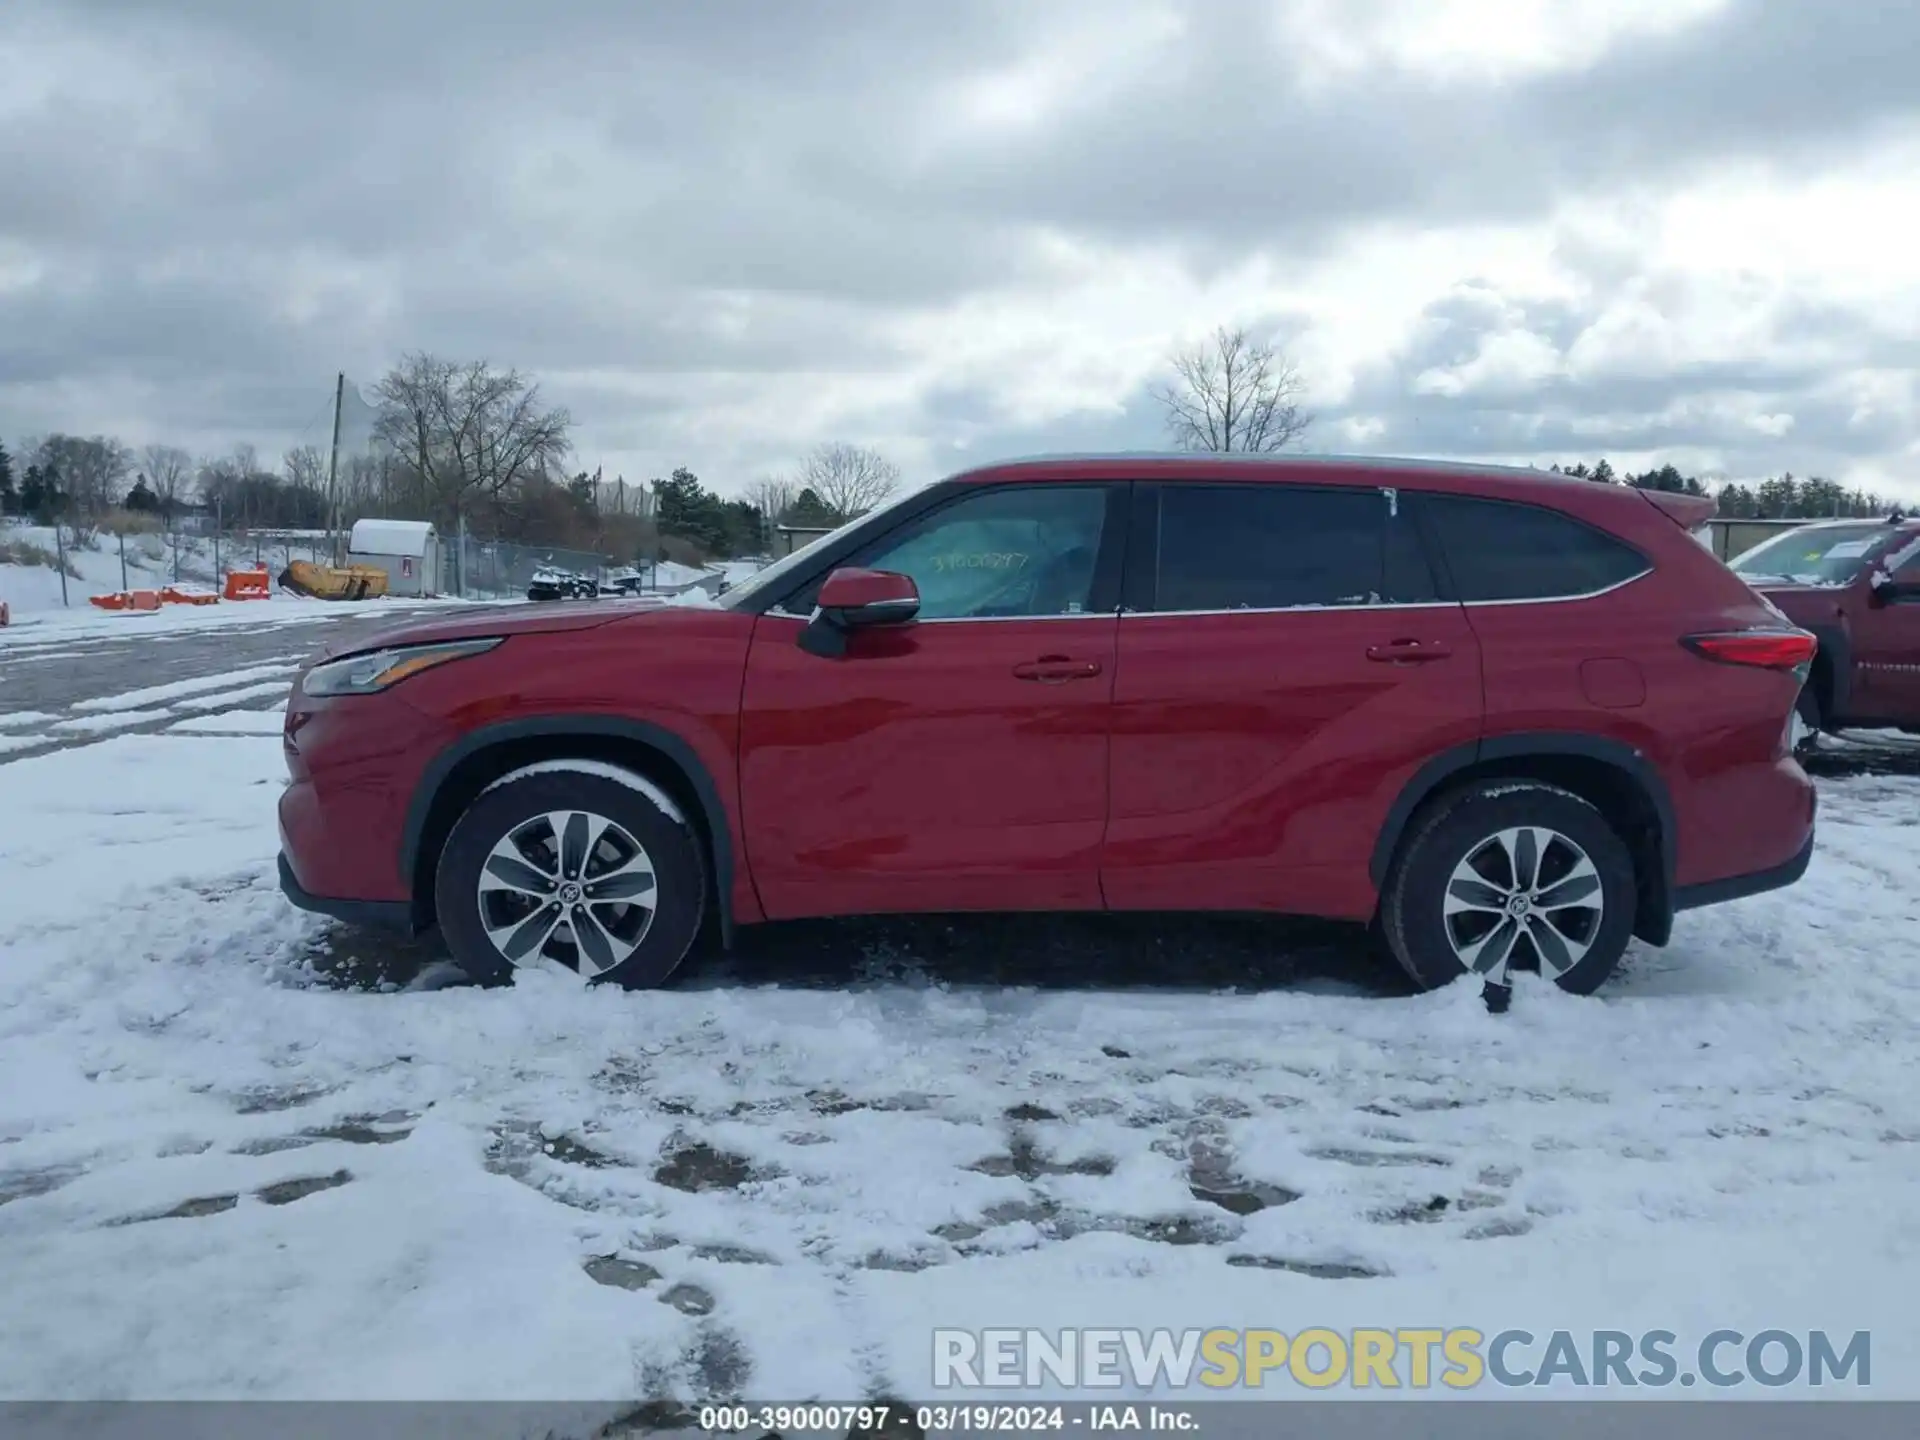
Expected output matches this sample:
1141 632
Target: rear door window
1269 547
1500 550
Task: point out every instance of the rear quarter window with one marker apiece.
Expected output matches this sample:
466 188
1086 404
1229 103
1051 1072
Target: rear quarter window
1503 550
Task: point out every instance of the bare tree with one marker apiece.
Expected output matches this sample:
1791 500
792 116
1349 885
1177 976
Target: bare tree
168 470
1232 393
848 479
93 471
466 430
305 468
772 496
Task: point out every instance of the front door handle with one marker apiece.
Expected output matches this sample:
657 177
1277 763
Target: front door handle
1408 652
1057 669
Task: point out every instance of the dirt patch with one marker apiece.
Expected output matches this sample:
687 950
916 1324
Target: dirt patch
355 1130
288 1191
1414 1212
25 1184
1160 1229
697 1166
688 1299
1380 1158
1006 1212
1498 1229
721 1367
1211 1179
186 1210
620 1274
1024 1161
1027 1111
907 1264
569 1151
1313 1269
833 1102
361 1132
267 1102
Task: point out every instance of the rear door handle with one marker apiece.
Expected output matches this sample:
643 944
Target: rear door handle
1408 652
1057 669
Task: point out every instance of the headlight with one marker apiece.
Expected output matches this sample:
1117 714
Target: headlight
382 669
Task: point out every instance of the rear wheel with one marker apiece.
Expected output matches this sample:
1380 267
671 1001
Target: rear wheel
589 871
1511 875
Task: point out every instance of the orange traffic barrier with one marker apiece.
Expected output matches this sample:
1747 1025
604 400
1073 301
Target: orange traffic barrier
173 595
145 599
248 585
117 601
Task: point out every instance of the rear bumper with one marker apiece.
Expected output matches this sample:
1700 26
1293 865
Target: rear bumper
1738 887
369 914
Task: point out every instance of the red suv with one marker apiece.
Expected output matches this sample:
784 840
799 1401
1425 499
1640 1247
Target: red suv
1509 718
1855 586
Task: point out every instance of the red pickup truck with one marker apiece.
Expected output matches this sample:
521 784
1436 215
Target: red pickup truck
1855 584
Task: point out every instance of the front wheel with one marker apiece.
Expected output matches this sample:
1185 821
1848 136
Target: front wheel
1511 875
572 865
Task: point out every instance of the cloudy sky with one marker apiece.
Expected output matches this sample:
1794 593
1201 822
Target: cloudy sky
721 232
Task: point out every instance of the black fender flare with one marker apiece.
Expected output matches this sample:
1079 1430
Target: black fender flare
1836 646
677 751
1655 921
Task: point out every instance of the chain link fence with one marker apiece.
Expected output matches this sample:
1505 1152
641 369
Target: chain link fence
501 570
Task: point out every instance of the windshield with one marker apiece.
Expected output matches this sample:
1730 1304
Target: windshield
773 578
1826 555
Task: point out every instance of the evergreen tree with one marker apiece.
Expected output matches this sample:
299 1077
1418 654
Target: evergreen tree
685 507
141 499
810 510
40 495
9 497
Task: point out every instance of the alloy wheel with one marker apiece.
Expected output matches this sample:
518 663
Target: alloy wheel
567 888
1527 893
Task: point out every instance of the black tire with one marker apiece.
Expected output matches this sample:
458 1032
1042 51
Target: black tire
679 893
1807 707
1412 910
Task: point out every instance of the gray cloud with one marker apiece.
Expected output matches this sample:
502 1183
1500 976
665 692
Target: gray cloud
1699 409
231 199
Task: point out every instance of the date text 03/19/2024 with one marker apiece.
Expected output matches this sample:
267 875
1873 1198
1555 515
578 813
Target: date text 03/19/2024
949 1418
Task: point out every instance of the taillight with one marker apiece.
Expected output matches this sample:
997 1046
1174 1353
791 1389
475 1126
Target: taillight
1762 649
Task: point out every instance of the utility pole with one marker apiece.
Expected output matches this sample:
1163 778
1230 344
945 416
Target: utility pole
333 469
60 549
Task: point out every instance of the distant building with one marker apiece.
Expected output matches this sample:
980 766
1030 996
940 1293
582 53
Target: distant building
789 538
408 550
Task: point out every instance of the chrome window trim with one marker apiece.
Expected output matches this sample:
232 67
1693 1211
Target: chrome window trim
1271 609
1411 604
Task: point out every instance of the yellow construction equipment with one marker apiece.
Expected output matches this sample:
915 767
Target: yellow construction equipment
330 582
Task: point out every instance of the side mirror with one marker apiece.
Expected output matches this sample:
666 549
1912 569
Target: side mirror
1880 588
855 599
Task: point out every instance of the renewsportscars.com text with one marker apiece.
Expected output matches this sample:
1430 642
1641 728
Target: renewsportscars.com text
1396 1358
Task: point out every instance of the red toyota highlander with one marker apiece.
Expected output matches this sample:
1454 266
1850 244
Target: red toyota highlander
1509 718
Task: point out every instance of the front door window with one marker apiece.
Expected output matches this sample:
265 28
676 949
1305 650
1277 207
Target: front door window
1023 552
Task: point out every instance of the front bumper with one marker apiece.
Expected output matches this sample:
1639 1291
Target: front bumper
368 914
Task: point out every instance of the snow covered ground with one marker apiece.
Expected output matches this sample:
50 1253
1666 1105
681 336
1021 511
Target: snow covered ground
52 629
96 567
39 614
243 1155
